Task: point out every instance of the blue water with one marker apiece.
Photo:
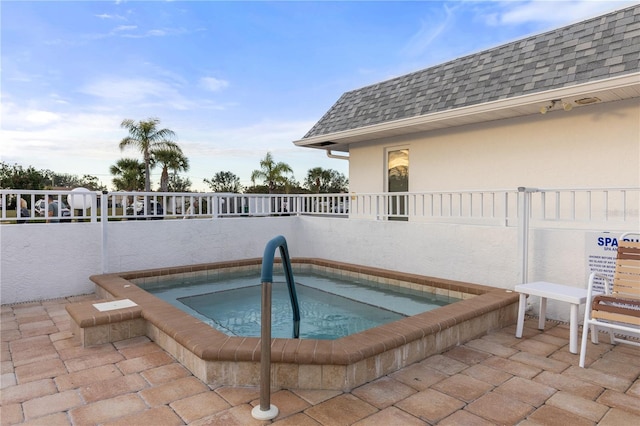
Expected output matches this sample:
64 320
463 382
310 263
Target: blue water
330 306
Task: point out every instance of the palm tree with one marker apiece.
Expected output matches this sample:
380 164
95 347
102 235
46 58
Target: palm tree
146 136
271 173
129 174
318 180
321 180
171 159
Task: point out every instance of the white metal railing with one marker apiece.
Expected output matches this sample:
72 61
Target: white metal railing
38 206
588 208
489 207
570 207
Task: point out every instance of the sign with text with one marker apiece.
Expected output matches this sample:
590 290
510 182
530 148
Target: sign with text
601 251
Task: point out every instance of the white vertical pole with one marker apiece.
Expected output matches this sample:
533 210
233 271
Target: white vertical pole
524 213
104 219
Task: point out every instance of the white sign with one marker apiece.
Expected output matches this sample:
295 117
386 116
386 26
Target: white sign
601 251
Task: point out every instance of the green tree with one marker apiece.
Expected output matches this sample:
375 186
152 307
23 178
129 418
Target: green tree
170 159
92 183
324 181
66 180
292 186
178 184
129 174
147 138
224 182
61 180
271 173
16 177
256 189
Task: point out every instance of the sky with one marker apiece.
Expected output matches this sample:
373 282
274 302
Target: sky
233 80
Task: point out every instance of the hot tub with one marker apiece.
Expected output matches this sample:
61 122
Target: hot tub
340 364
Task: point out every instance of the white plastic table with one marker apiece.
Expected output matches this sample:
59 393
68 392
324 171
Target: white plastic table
544 290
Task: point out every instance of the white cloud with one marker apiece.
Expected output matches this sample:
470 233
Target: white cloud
551 12
156 33
40 118
108 16
252 140
125 28
78 143
169 91
16 117
213 84
133 90
131 31
429 31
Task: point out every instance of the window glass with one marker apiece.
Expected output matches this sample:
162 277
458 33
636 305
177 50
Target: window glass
398 170
398 181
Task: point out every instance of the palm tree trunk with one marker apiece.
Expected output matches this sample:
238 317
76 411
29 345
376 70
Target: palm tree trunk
147 172
164 179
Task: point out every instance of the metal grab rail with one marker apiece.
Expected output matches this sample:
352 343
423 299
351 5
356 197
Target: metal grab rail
267 411
267 275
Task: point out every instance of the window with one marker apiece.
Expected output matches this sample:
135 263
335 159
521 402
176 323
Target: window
398 181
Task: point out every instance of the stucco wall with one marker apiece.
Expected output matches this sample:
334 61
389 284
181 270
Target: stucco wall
594 146
41 261
149 244
46 261
477 254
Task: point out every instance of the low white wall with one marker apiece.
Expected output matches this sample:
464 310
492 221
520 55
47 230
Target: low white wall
134 245
485 255
45 261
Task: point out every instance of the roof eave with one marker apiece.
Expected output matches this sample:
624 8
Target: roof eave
611 89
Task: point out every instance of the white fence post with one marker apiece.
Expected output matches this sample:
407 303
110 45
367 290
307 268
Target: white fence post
524 213
104 219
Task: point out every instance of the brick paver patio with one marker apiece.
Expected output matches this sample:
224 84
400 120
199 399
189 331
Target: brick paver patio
48 378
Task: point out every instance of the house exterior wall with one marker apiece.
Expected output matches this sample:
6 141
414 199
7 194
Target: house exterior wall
592 146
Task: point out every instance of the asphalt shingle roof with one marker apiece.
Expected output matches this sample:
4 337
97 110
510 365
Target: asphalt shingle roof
591 50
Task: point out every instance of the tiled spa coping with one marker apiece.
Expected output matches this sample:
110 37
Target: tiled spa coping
217 358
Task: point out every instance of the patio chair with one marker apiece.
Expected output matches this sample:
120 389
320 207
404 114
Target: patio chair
618 309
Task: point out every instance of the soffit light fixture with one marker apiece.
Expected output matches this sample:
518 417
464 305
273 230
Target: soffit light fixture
567 106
